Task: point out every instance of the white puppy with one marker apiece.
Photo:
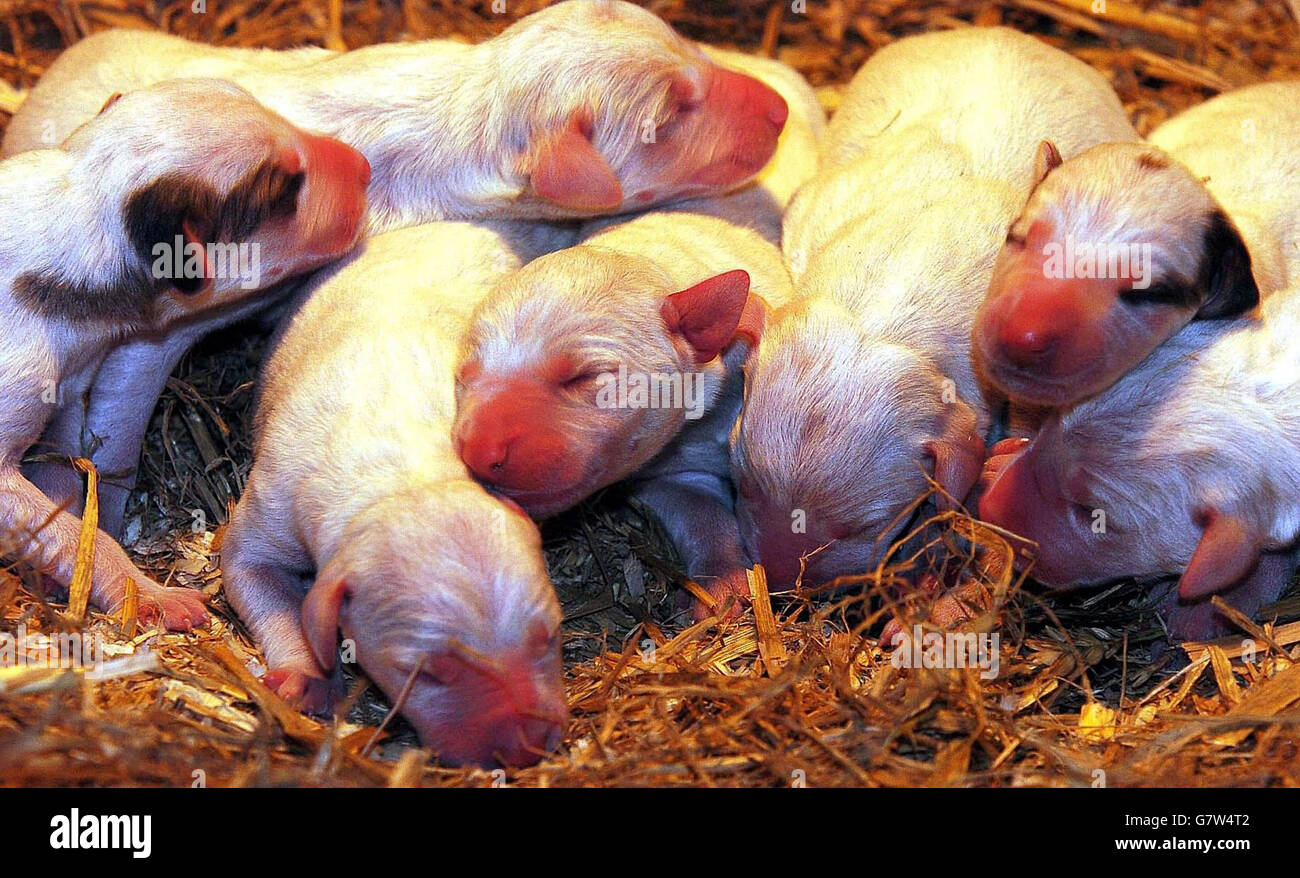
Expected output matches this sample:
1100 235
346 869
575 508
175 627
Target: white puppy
862 387
1188 466
620 358
586 107
355 487
133 210
1122 246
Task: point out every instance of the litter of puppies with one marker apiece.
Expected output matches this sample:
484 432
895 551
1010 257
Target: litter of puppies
856 331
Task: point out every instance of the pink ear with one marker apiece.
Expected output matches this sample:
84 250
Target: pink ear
1227 552
566 169
320 617
958 461
709 314
752 320
1047 159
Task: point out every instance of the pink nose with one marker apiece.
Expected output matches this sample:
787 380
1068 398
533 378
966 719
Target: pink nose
745 93
486 454
780 553
1026 345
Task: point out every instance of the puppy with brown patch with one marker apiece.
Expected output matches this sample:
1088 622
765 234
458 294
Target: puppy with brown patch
148 185
584 108
1122 246
359 517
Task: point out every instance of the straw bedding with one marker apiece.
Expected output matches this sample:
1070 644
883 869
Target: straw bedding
795 692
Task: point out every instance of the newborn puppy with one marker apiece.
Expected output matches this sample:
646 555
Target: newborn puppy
1187 466
620 358
134 209
586 107
1122 246
862 386
436 585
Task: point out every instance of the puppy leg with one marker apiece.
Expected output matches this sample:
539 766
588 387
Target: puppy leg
696 510
46 538
108 426
263 570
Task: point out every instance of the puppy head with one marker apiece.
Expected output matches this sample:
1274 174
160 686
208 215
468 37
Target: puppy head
1161 474
609 109
209 197
1117 249
583 366
444 589
837 436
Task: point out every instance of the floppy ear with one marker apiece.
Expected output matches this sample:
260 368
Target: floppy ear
320 617
957 458
1046 160
566 169
1228 551
709 314
958 463
171 207
752 319
1226 275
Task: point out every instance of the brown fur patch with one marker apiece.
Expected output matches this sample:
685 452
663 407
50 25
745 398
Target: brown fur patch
128 301
152 215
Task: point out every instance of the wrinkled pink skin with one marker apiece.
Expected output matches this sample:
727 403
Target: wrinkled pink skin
723 134
1052 341
1022 494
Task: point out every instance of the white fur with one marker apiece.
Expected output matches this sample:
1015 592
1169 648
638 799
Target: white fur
1210 199
1206 424
49 355
354 473
445 125
924 166
1245 144
600 303
447 128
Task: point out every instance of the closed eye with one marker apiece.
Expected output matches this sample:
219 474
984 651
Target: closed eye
586 377
1178 296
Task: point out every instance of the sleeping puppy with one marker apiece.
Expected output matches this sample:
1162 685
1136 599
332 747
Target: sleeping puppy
862 389
585 108
1189 466
152 215
1124 245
